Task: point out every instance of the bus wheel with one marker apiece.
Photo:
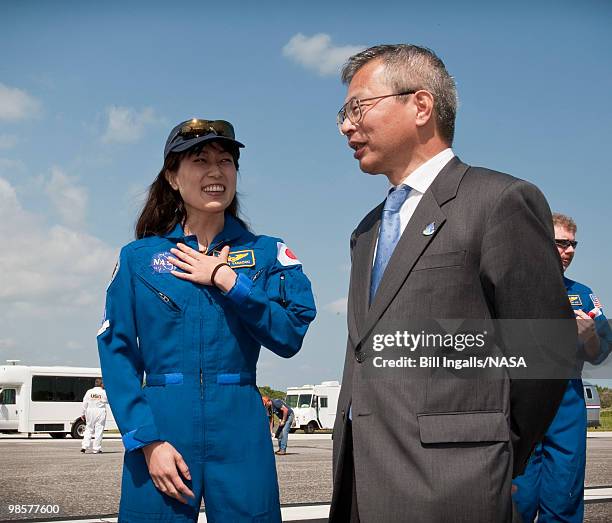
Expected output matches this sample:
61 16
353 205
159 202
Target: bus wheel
310 428
78 429
57 435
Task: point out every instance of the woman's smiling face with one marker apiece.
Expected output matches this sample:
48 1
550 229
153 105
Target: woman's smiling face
206 181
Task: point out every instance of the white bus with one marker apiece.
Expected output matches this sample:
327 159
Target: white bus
45 399
314 406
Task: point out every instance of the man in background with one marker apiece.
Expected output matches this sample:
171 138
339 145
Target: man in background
285 414
553 483
94 414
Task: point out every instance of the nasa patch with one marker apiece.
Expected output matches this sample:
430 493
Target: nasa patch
575 300
160 263
285 256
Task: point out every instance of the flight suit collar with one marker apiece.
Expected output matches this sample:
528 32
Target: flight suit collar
232 230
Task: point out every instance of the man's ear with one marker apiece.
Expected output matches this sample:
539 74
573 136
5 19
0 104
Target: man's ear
424 103
171 179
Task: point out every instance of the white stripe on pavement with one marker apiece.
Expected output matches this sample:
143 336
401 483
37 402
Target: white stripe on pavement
321 511
597 494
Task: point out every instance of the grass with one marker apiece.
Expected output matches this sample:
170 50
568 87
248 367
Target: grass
605 420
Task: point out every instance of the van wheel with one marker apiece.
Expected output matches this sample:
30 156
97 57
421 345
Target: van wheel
78 429
310 428
57 435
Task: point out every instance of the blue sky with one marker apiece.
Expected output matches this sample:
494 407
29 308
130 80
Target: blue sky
89 91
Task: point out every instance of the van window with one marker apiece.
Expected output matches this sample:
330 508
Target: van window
60 388
323 402
589 393
305 400
7 397
292 400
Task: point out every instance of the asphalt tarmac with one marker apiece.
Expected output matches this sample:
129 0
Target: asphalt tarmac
43 472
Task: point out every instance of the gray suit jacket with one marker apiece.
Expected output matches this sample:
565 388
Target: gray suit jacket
431 450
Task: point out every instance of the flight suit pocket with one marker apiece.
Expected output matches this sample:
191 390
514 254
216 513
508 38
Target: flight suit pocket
160 294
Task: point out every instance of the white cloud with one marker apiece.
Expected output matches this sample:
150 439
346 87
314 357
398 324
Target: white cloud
338 306
126 125
8 167
16 104
47 268
317 53
69 199
7 141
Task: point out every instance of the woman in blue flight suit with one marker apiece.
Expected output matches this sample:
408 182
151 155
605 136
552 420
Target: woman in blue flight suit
189 305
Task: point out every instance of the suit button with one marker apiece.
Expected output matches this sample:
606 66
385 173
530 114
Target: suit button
360 357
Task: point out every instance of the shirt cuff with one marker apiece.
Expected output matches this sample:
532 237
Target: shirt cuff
140 437
241 289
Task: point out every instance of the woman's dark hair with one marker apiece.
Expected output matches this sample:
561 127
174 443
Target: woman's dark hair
164 207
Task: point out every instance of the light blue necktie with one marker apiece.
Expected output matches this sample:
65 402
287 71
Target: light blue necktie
389 235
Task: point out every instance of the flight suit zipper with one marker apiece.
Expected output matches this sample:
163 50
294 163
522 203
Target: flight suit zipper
282 290
167 300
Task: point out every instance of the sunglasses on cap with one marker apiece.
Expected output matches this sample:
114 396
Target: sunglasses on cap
197 130
564 244
197 127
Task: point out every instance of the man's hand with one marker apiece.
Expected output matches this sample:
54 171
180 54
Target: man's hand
587 334
198 267
164 463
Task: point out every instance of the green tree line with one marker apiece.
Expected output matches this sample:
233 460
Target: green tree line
605 396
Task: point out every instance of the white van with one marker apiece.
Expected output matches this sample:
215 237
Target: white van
593 404
314 406
45 399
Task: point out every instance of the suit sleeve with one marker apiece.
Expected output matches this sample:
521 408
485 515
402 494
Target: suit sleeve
277 309
122 364
522 275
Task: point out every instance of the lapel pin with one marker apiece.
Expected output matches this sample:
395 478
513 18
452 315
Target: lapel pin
429 230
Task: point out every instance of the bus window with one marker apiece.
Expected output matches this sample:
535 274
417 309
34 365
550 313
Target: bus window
60 388
8 397
323 402
292 400
589 393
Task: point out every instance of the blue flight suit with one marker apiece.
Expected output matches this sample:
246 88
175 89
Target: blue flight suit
198 349
552 485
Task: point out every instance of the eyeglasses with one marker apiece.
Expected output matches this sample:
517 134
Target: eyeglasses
197 127
564 244
353 111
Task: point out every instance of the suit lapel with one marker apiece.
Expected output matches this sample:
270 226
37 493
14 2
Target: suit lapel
411 245
361 274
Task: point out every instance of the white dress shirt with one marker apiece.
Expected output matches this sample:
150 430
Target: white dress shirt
419 180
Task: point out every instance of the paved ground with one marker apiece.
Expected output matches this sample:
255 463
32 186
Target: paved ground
43 471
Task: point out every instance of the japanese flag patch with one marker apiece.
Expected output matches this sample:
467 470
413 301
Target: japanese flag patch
285 256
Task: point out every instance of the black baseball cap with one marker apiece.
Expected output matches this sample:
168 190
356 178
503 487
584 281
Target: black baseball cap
197 130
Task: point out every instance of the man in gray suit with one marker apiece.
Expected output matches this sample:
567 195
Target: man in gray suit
450 241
